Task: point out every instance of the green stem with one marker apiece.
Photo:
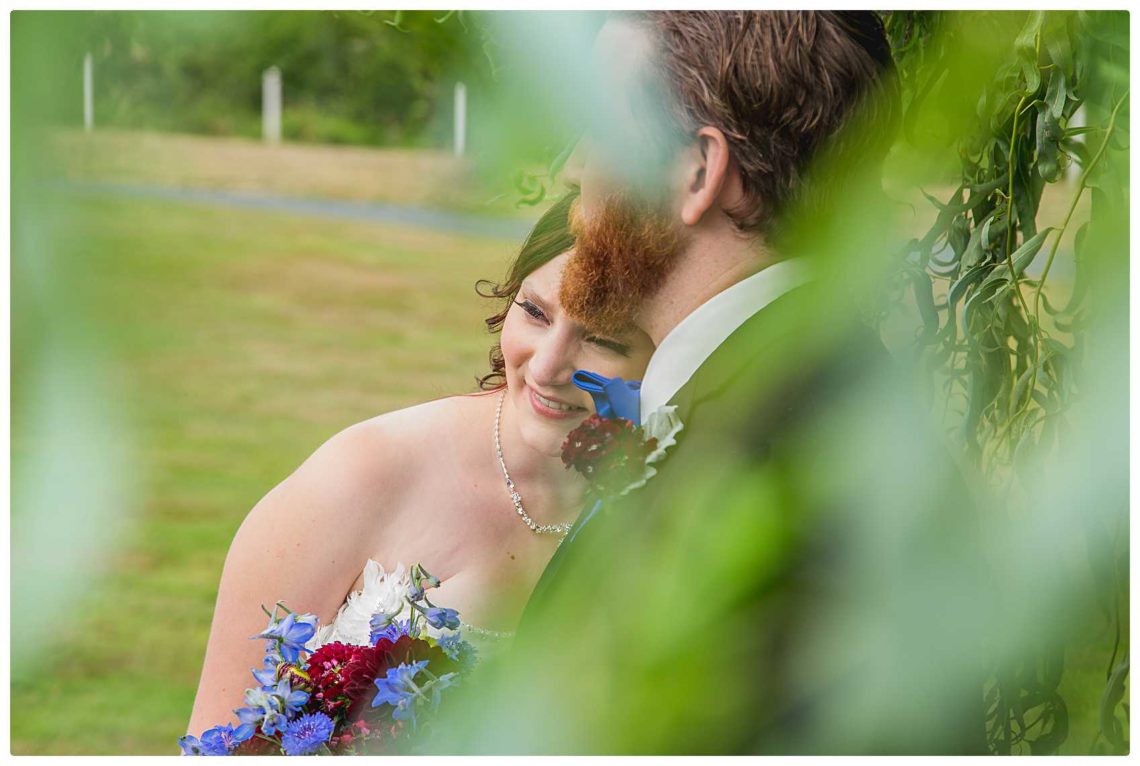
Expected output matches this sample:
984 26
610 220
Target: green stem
1009 235
1009 231
1082 184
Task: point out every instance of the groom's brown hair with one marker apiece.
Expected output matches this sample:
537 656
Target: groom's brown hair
780 85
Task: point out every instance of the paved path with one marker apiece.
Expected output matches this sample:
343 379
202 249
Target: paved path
402 215
377 212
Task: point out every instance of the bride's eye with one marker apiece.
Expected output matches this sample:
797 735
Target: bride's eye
612 345
531 309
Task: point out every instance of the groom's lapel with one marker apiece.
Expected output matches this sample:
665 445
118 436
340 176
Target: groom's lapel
747 346
740 353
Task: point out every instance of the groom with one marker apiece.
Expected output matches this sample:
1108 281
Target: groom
772 589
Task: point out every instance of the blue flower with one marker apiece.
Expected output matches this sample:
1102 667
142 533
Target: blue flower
439 617
220 740
273 723
291 699
421 577
243 732
190 745
383 619
257 704
271 706
290 634
258 698
454 646
250 716
390 630
306 734
267 676
405 710
415 591
397 683
446 681
398 689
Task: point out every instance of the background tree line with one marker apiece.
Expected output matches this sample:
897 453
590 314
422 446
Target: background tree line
352 77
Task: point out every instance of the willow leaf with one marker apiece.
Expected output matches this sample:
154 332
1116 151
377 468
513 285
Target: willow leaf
1022 257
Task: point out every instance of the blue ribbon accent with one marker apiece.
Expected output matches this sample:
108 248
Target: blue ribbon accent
613 397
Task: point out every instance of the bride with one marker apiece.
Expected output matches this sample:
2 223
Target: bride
427 484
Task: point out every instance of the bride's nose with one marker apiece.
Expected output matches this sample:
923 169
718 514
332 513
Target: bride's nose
552 363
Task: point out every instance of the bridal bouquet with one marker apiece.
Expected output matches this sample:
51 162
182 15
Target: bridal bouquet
344 699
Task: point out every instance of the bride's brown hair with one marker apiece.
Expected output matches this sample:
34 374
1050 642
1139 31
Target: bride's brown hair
549 239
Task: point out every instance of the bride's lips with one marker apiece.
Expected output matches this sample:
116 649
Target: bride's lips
546 411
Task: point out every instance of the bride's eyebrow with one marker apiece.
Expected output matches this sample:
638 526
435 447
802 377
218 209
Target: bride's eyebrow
533 295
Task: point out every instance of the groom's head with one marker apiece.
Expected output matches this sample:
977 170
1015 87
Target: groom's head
707 127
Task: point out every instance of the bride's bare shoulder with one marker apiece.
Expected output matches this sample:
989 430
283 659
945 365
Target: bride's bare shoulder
372 463
449 416
424 430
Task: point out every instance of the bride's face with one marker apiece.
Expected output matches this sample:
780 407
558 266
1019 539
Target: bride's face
542 347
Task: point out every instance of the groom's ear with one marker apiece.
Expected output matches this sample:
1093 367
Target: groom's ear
711 179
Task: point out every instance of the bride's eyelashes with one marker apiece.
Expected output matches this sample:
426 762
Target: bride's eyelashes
531 309
612 345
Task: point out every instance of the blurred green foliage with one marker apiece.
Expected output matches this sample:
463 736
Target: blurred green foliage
222 346
1030 97
643 654
352 77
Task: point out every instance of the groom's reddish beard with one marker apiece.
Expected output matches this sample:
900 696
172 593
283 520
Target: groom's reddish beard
622 255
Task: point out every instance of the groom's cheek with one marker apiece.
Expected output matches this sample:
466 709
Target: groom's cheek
594 187
599 177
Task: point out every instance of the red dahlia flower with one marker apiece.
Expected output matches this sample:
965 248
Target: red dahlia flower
339 672
343 674
609 452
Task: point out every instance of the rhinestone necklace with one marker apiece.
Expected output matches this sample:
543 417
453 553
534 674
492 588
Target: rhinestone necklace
493 634
541 529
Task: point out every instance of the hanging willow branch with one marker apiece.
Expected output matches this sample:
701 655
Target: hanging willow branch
1008 363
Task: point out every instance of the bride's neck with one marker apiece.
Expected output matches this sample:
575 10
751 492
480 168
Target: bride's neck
541 479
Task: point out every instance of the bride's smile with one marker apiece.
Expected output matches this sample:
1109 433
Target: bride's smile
553 408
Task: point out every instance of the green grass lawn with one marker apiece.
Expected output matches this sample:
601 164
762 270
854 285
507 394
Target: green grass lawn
238 341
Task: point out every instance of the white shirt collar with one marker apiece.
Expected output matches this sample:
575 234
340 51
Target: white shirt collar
691 342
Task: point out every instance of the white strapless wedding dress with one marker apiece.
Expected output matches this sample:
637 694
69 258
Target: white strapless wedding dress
384 591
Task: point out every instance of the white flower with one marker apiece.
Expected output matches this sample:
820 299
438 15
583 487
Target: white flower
663 425
380 592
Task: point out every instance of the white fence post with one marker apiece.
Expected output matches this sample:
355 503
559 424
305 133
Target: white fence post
88 95
460 119
271 105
